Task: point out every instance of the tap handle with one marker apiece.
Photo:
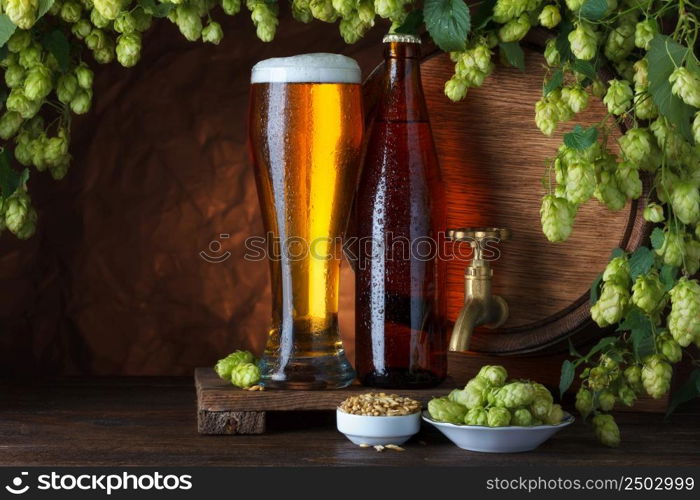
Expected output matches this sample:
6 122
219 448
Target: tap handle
477 236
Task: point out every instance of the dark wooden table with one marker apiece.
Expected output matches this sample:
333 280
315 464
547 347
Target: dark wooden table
152 421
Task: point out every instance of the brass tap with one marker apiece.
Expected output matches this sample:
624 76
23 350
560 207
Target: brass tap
481 307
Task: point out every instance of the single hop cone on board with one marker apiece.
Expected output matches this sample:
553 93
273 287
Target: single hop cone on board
656 376
683 323
606 430
245 375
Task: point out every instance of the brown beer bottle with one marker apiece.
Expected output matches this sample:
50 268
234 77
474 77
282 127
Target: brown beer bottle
400 223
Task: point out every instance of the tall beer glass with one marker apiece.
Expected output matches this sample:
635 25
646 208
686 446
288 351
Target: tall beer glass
305 134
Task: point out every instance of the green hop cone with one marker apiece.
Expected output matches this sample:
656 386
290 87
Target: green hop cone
542 402
109 9
521 417
17 101
550 16
444 410
628 181
343 7
644 32
683 323
96 40
685 201
10 122
264 16
231 7
515 395
473 394
19 41
225 366
71 11
98 20
575 97
575 5
125 23
696 128
620 42
686 85
23 13
583 41
30 56
557 218
641 74
648 292
498 417
606 430
38 84
626 395
17 208
547 114
352 28
618 97
584 402
81 29
129 49
608 191
611 305
656 376
142 19
617 271
606 400
301 11
673 248
14 76
495 375
66 87
84 76
81 102
505 10
106 53
28 229
323 10
669 348
245 375
59 171
580 182
515 29
636 144
476 416
551 54
555 416
692 255
456 88
212 33
188 21
633 376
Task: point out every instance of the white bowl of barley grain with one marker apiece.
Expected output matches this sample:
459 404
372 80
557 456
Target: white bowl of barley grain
378 418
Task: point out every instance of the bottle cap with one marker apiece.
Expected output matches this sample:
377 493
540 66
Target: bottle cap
401 38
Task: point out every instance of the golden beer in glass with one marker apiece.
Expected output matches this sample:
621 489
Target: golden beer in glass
305 135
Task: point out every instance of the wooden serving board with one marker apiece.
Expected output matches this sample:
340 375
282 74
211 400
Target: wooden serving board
223 409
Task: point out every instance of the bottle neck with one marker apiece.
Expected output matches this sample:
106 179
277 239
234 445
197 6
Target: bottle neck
402 97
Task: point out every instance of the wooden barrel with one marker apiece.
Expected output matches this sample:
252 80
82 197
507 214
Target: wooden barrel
493 161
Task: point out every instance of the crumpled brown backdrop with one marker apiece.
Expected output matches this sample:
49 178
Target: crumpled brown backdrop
113 282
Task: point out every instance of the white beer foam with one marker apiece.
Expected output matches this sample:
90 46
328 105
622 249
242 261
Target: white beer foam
307 68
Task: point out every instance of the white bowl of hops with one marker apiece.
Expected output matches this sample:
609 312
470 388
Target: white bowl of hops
494 416
378 419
